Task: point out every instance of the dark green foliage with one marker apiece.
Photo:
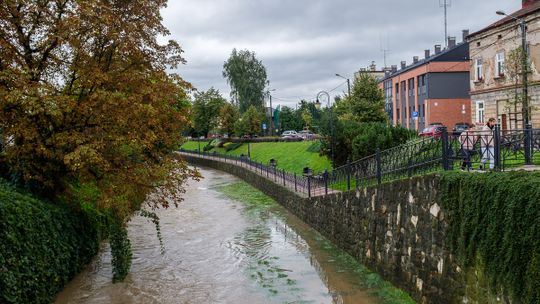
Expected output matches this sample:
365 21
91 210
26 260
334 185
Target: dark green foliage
42 245
233 146
378 135
353 140
247 77
121 250
495 217
366 102
206 111
290 119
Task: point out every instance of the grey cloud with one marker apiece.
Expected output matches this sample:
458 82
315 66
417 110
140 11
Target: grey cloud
303 43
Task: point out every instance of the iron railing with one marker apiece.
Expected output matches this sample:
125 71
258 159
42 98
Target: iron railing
474 149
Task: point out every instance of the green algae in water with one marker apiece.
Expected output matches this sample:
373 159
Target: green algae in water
257 201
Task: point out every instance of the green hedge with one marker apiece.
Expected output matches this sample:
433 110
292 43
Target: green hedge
42 246
495 222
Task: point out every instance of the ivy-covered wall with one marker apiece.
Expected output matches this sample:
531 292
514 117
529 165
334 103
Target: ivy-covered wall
494 231
449 238
42 245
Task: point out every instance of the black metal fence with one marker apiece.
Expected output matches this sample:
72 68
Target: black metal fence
476 149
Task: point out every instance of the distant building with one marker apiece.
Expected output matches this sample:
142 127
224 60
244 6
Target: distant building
371 70
434 89
493 87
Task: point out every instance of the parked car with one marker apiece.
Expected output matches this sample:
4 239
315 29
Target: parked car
290 134
432 131
305 134
460 127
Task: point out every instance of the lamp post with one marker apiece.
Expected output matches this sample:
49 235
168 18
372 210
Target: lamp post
524 66
271 112
318 105
348 83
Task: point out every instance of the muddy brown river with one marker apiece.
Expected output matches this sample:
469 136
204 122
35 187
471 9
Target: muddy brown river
222 250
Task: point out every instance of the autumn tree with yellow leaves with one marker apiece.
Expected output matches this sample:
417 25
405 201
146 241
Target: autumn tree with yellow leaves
86 102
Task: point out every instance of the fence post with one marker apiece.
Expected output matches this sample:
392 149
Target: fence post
348 175
283 177
309 186
445 156
378 161
295 188
528 144
497 146
409 168
326 182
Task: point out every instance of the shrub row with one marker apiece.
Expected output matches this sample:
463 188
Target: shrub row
42 245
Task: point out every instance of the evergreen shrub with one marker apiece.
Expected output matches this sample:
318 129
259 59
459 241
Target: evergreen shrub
42 245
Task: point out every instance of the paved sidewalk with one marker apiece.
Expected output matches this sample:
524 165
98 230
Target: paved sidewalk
297 185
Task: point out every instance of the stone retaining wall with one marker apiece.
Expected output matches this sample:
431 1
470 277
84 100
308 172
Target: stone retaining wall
396 229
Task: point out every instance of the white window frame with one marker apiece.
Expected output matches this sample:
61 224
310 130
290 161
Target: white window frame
480 112
479 71
499 64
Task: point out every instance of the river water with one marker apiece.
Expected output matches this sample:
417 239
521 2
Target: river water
222 250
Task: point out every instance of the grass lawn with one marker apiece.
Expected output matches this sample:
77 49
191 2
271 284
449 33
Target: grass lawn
291 156
193 145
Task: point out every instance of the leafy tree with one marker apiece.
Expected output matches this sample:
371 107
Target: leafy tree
247 77
206 109
289 119
85 98
228 116
373 135
307 118
366 102
249 123
513 71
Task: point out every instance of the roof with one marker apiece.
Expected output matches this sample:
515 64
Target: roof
459 49
530 9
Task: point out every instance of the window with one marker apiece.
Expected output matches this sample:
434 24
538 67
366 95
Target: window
478 68
480 111
499 64
411 87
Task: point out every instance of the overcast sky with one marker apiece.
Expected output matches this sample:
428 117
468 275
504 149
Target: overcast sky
304 43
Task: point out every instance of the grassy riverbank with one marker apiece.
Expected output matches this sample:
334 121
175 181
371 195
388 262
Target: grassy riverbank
291 156
269 274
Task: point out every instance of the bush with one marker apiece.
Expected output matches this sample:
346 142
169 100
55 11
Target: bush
42 245
232 146
378 135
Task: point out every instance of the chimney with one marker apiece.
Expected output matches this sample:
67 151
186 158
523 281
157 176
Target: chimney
403 64
394 68
437 49
526 3
426 53
415 59
451 42
465 34
373 66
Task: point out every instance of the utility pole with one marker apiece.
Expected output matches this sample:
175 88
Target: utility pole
525 70
348 83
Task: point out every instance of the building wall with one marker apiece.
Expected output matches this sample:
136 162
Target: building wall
494 89
444 80
497 104
448 111
448 85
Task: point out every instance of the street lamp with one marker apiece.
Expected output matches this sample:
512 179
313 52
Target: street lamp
318 105
348 83
271 112
523 26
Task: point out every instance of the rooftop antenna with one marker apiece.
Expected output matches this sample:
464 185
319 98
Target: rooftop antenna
384 49
445 4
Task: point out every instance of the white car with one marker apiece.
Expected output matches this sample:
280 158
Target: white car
289 134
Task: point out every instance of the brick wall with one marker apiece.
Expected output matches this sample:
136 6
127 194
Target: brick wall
448 111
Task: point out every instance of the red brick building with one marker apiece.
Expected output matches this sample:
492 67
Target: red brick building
432 90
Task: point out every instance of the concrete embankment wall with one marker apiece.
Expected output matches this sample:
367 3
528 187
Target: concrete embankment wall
396 229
